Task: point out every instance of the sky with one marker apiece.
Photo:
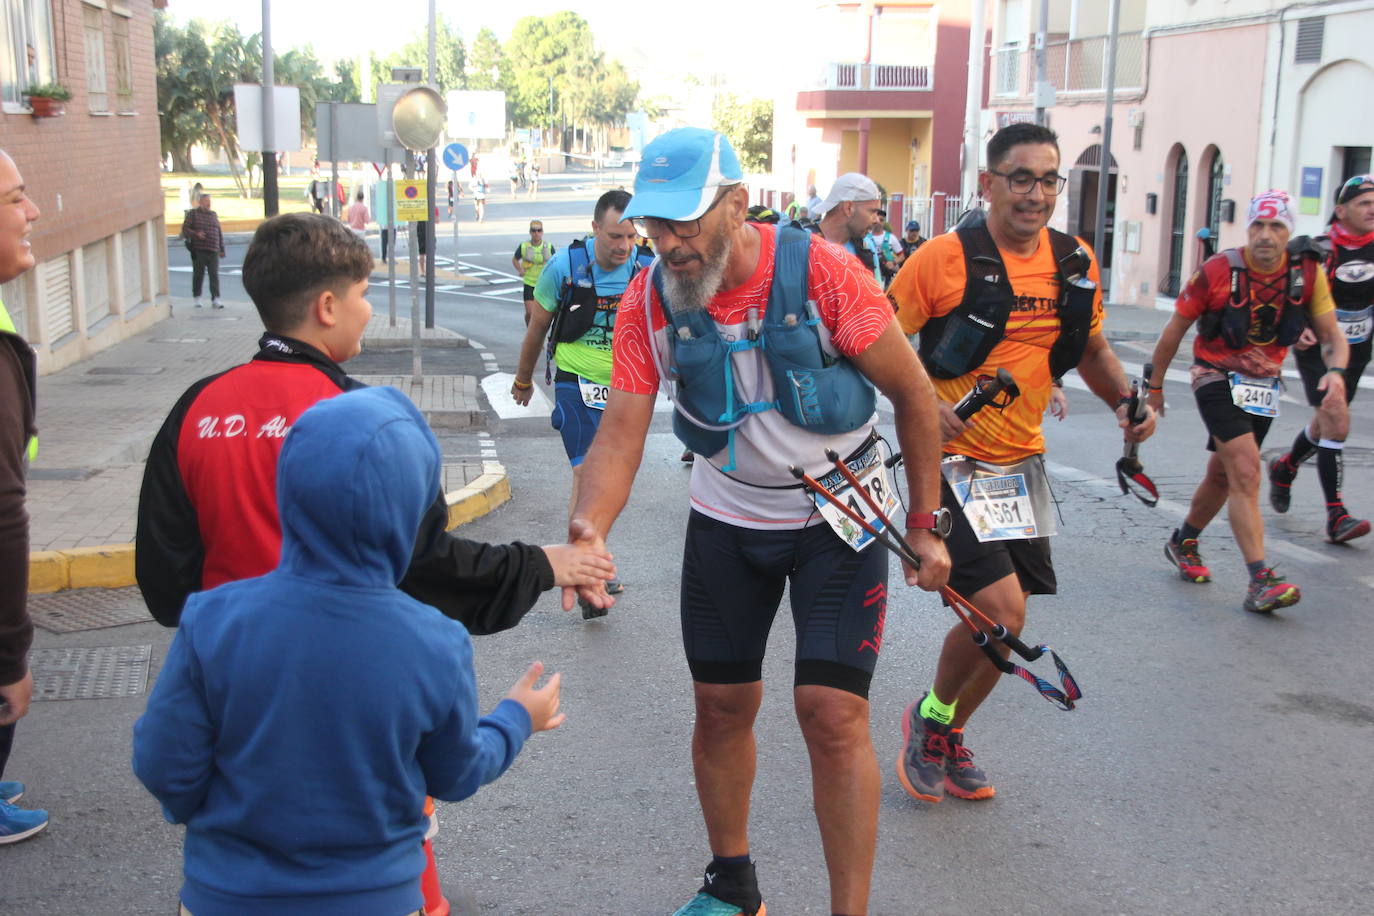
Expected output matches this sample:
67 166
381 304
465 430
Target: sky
741 39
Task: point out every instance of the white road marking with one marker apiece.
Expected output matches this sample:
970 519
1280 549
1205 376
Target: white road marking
497 388
1179 511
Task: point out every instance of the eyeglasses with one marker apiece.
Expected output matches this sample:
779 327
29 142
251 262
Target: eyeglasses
1021 182
536 228
652 227
1357 181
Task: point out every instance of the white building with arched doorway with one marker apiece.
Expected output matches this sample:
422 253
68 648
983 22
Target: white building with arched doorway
1215 101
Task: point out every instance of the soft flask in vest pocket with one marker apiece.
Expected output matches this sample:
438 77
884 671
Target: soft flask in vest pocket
969 334
813 391
1075 320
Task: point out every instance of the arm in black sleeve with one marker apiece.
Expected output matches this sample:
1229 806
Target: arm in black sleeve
169 556
486 587
16 425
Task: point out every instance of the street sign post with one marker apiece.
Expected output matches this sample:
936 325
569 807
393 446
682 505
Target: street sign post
455 157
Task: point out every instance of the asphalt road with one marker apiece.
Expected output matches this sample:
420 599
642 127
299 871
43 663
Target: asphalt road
1213 765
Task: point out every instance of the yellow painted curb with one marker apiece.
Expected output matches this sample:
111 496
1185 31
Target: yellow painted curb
112 565
47 572
489 490
107 566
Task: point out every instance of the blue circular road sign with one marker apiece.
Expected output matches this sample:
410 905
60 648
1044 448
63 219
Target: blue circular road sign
455 156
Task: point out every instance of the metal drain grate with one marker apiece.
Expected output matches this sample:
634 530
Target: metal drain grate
88 609
125 370
91 673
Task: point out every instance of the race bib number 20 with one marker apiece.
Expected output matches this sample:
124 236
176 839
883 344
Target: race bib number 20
594 395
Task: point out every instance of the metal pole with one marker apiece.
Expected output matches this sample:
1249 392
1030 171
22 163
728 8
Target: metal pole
334 158
431 174
973 101
454 197
269 140
390 228
1042 75
415 316
1103 170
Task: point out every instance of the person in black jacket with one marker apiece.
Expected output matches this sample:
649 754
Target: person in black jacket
207 509
18 423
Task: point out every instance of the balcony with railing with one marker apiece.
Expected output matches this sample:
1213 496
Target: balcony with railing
1079 66
876 77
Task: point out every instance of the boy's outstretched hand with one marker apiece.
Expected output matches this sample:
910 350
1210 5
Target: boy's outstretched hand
540 702
580 564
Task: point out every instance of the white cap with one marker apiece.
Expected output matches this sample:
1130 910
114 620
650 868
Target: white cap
849 186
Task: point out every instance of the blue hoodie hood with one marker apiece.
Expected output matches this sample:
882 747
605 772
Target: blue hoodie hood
356 474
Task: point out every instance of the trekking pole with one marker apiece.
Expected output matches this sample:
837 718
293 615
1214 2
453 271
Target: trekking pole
961 606
1130 473
997 391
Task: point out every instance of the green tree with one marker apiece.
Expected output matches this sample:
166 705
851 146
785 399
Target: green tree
748 123
488 66
558 74
180 114
450 57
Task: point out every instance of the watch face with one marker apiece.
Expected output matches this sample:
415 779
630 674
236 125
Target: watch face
944 522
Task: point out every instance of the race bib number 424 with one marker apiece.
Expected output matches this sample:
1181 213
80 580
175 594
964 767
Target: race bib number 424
1356 323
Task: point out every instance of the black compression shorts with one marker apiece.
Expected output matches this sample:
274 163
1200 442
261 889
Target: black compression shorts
976 564
732 583
1223 419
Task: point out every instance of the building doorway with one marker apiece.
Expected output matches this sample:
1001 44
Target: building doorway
1083 182
1178 227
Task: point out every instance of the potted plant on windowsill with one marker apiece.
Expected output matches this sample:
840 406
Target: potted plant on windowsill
45 101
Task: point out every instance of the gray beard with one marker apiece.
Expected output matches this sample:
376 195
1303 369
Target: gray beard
686 295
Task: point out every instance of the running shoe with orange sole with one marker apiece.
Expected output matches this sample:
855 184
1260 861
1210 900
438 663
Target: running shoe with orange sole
963 778
925 748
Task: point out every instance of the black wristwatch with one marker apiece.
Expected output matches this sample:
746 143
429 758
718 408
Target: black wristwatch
941 522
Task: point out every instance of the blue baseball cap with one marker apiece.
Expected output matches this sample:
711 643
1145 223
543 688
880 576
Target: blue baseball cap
680 172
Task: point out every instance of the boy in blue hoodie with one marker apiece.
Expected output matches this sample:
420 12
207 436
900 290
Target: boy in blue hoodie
302 716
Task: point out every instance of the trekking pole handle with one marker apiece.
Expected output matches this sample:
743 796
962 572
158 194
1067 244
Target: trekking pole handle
984 393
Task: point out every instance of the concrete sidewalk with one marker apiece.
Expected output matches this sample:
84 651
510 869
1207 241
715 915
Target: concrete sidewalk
98 418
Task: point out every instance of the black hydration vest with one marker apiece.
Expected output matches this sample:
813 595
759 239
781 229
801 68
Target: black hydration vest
958 343
577 300
1351 273
1285 320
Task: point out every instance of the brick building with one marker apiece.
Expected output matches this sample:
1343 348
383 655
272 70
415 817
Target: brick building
93 171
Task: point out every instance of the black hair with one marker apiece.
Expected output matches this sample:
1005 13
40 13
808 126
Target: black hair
296 256
616 200
1017 135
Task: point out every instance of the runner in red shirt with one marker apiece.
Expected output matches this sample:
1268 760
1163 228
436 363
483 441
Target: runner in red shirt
752 531
1250 305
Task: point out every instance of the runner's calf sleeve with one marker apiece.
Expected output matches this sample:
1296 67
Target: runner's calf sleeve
1330 469
1303 447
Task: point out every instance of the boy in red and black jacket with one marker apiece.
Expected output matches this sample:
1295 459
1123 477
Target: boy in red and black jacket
207 511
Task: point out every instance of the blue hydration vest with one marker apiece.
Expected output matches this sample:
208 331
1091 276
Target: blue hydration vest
812 389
